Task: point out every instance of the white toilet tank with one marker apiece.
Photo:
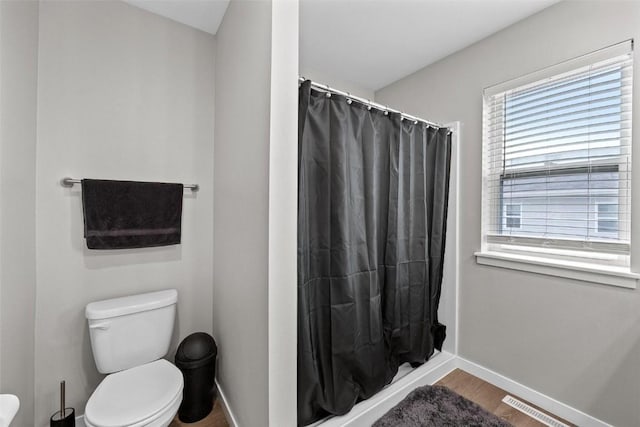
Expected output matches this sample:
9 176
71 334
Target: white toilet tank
131 331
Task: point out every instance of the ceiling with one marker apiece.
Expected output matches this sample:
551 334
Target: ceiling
205 15
376 42
372 42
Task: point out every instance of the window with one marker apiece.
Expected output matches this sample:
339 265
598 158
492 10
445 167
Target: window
557 146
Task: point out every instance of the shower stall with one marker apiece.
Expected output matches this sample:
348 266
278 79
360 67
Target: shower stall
377 255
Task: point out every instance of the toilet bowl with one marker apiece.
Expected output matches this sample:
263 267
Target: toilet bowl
147 395
129 337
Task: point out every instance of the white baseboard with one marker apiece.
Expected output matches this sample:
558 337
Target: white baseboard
368 411
80 421
543 401
228 413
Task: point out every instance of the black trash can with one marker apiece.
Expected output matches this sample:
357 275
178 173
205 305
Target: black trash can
196 358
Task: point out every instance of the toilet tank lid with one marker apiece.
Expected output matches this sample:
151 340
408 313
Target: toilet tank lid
131 304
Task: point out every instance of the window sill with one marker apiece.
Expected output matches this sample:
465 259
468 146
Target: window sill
613 276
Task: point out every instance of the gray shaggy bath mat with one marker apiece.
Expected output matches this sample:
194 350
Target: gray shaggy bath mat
437 406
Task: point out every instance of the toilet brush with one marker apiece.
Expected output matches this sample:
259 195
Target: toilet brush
65 417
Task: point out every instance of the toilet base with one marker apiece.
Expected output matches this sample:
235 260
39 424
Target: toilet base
163 419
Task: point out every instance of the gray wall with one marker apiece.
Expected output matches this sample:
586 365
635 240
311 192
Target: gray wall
18 74
576 342
241 208
122 94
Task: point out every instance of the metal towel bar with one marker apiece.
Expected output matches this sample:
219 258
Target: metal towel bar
70 182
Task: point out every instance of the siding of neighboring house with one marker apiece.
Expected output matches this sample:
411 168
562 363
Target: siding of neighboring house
562 206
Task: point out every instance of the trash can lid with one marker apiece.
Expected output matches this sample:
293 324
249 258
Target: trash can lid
196 350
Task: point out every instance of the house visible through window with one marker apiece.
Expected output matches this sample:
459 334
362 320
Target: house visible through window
559 149
513 214
607 219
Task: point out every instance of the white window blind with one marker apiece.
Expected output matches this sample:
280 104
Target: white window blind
557 160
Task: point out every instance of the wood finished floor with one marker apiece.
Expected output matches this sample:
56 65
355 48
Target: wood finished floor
473 388
215 419
490 398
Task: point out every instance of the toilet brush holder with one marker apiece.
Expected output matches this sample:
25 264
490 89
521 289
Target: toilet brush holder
63 419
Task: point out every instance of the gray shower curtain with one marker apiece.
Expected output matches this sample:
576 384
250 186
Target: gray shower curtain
372 213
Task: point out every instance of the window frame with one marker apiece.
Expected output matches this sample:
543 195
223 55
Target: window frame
605 263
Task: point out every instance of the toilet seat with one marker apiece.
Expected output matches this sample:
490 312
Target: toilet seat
136 397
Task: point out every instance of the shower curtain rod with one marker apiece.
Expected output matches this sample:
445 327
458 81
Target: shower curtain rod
372 104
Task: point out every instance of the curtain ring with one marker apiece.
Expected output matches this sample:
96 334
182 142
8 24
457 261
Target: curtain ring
349 100
328 89
368 104
386 110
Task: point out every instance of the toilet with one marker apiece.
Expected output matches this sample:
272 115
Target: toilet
129 337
